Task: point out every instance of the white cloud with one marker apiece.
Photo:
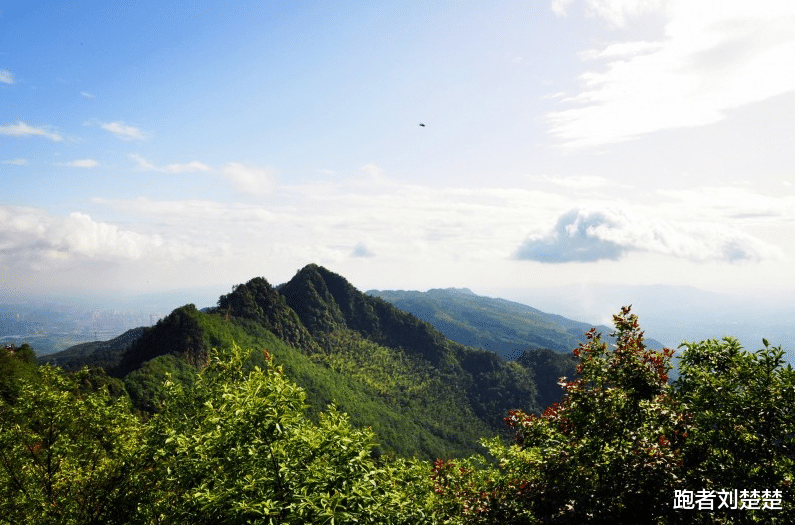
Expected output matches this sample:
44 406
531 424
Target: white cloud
623 49
452 232
713 58
81 163
617 11
87 94
77 252
6 77
559 7
16 162
143 164
587 235
20 129
31 236
351 218
250 180
124 131
190 167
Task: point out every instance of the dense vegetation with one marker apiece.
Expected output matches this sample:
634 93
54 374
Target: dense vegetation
422 394
237 445
313 403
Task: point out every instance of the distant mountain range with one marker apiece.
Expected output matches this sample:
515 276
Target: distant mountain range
504 327
430 372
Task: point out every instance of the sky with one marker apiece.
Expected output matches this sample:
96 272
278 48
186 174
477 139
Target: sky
149 146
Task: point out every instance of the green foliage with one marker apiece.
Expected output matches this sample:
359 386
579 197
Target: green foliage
422 394
624 440
67 453
259 301
235 441
741 421
238 448
178 333
548 367
436 414
503 327
15 366
146 385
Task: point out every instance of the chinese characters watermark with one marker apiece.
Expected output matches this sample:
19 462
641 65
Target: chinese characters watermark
727 499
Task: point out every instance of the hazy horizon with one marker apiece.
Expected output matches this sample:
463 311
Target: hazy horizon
670 314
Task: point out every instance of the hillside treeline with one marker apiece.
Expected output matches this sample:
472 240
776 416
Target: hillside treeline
239 443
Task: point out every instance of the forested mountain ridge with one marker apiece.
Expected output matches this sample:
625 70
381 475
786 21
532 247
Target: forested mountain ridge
504 327
422 393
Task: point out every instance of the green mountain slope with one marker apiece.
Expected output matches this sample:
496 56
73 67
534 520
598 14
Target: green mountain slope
105 354
504 327
422 394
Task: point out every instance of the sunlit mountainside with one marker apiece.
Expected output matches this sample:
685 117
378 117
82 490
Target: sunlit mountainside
504 327
422 393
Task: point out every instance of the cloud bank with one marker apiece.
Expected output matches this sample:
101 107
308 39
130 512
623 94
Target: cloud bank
585 235
35 238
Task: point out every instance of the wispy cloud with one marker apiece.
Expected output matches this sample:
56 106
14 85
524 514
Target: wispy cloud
16 162
372 222
20 129
580 182
123 131
175 168
617 11
6 77
87 94
711 60
357 216
250 180
728 202
586 235
81 163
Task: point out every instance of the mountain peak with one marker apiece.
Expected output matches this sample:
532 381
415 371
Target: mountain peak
260 301
309 294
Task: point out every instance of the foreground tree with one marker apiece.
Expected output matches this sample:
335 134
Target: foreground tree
610 451
67 455
238 448
741 414
626 446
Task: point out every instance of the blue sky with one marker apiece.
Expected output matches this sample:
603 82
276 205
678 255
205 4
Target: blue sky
159 145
